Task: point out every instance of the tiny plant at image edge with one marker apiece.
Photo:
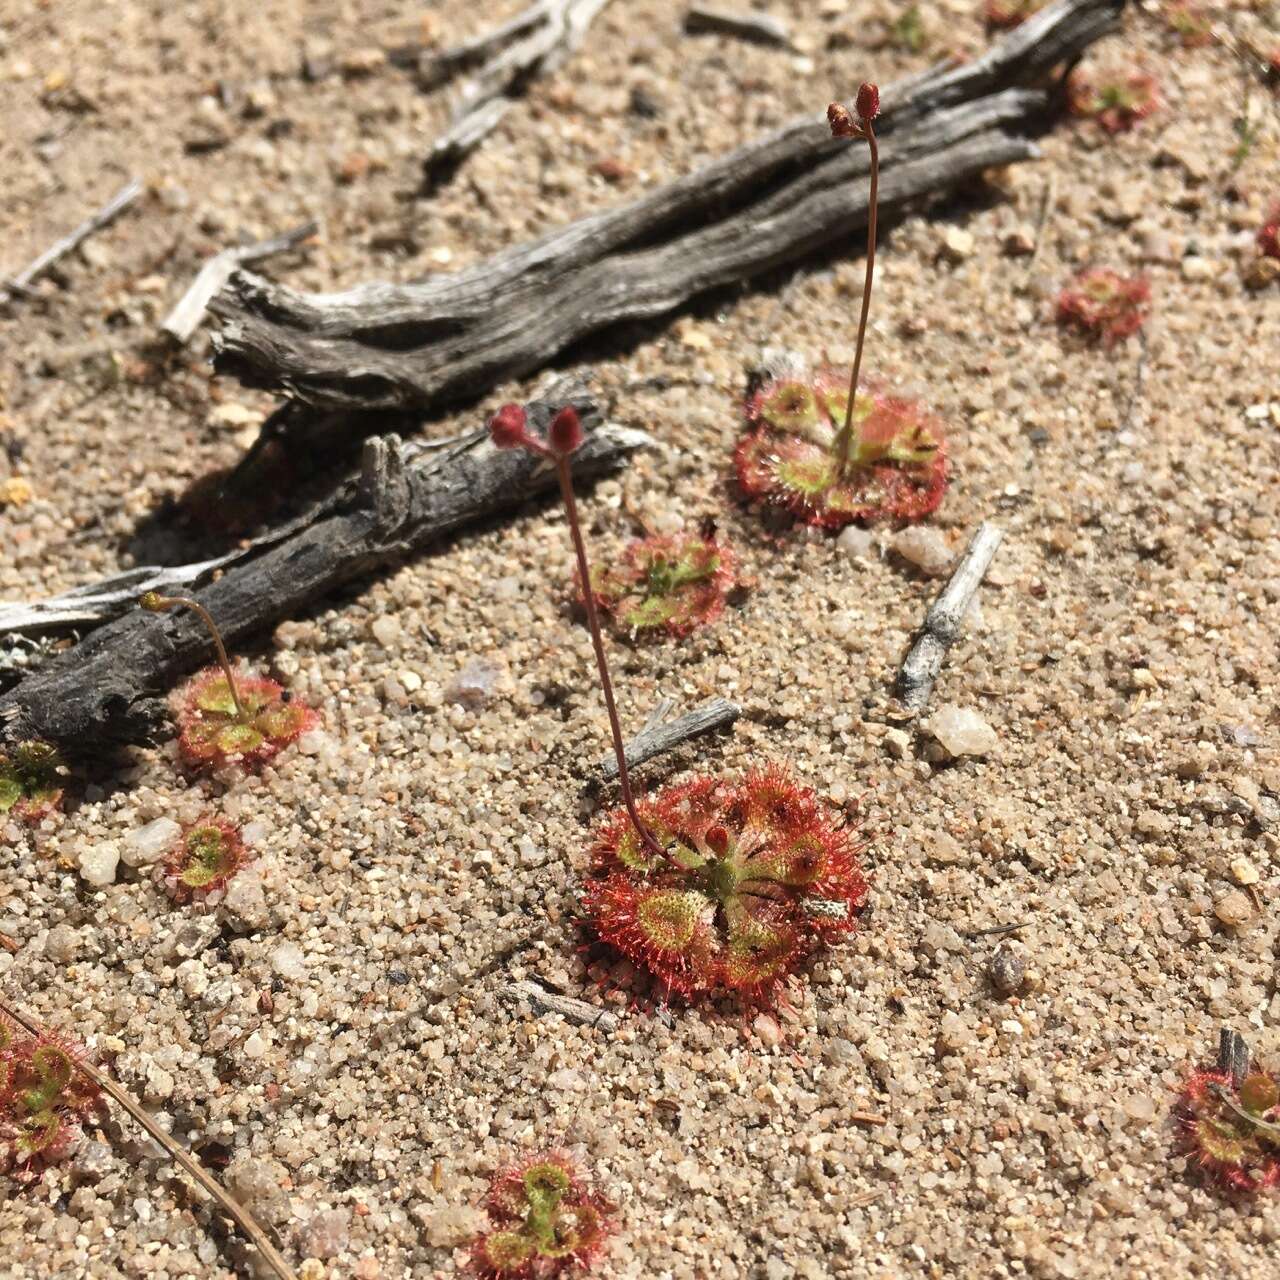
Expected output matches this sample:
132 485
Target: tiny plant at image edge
755 875
666 583
829 455
30 779
1104 304
1115 100
546 1222
203 860
44 1100
1233 1131
223 716
1269 234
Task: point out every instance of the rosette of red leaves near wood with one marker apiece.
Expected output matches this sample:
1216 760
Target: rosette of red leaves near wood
755 875
1115 99
1232 1128
674 583
830 455
1104 304
547 1222
897 462
208 853
30 779
43 1100
224 716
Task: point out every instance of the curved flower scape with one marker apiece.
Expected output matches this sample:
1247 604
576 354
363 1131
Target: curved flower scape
43 1100
757 875
673 584
547 1222
1233 1131
30 779
898 467
1105 304
213 732
209 853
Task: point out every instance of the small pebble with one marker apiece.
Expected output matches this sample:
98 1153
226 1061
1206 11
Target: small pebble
1234 909
98 863
897 743
147 845
474 685
1008 970
1243 872
925 548
288 961
957 243
857 543
962 732
386 629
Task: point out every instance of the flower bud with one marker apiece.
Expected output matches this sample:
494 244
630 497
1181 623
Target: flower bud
565 433
154 602
843 125
507 427
868 104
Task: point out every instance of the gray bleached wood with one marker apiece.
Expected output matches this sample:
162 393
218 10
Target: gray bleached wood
656 739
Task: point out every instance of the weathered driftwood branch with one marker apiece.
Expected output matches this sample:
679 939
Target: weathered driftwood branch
452 337
106 689
187 1162
540 1000
760 28
658 738
22 282
545 36
942 622
189 310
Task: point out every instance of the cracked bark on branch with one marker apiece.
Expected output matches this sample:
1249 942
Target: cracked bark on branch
450 338
107 689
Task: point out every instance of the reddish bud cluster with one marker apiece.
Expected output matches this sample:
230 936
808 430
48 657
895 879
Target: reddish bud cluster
213 732
509 429
547 1222
1117 100
209 852
847 124
673 584
897 466
30 779
755 876
43 1099
1105 304
1233 1130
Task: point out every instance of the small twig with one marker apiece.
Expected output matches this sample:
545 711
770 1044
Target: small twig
659 714
21 283
657 739
580 1012
189 311
1139 375
235 1211
1046 202
760 28
942 622
999 928
545 36
1233 1054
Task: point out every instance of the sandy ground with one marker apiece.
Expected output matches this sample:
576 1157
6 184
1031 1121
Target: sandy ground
420 855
